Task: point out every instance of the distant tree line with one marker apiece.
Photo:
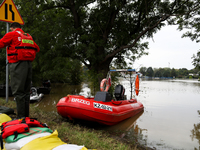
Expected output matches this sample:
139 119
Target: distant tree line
168 72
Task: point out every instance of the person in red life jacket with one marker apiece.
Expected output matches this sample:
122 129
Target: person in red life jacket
21 51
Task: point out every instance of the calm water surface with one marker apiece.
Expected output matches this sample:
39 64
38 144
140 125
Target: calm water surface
170 120
171 114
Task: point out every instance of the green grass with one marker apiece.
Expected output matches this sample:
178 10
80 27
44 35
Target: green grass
72 133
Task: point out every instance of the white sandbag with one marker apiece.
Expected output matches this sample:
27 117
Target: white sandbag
21 142
69 147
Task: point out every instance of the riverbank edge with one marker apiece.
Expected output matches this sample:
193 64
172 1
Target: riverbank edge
73 133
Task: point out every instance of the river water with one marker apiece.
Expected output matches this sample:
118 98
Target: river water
170 120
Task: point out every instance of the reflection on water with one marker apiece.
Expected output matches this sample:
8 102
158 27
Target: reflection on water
126 124
169 121
196 132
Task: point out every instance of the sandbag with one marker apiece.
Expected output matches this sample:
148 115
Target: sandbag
4 118
32 131
23 141
17 126
40 140
44 143
69 147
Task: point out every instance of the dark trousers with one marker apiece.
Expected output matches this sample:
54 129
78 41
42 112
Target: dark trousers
20 77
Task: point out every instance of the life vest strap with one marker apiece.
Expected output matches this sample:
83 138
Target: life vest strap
25 47
12 54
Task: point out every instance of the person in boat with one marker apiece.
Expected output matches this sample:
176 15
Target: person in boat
21 51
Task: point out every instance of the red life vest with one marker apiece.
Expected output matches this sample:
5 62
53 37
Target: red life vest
14 127
25 51
31 122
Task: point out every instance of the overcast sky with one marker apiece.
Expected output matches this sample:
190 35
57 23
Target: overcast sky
168 49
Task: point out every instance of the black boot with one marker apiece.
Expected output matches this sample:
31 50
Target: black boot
20 107
27 102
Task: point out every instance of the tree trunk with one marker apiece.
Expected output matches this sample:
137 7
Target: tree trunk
99 72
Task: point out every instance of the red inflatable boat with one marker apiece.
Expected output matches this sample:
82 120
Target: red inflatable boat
102 108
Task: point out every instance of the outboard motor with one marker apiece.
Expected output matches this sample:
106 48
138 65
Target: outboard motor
119 92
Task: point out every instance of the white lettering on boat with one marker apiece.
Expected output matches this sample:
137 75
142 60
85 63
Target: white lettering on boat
80 101
101 106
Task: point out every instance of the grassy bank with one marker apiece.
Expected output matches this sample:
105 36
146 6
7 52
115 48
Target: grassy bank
76 134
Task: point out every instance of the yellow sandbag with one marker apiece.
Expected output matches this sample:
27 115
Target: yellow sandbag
3 147
44 143
84 148
4 118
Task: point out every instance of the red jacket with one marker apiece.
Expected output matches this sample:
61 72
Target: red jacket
11 39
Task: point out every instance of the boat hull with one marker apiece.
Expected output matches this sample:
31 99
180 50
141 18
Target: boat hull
108 113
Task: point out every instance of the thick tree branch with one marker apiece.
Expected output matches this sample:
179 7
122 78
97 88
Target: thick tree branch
135 41
75 14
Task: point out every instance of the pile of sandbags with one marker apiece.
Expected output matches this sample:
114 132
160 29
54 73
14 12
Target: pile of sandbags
37 138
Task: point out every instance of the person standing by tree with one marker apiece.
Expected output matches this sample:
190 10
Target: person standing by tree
21 51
